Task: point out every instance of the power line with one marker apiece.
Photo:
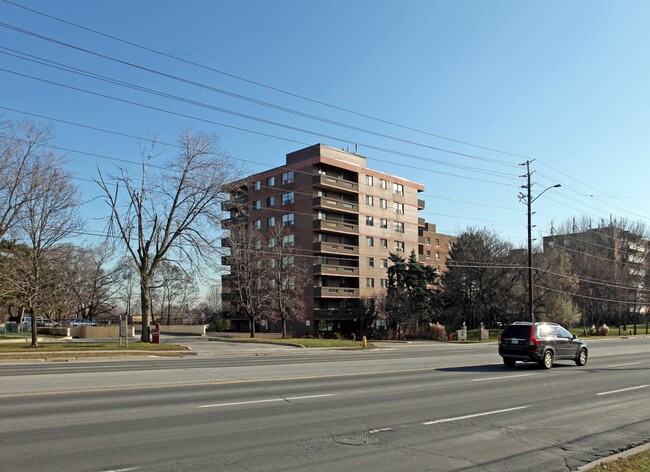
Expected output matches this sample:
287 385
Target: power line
302 97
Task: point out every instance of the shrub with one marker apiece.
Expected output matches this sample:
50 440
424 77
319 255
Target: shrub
220 325
604 330
336 336
593 330
353 337
438 332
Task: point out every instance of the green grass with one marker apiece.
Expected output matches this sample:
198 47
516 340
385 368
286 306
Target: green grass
310 343
636 463
87 347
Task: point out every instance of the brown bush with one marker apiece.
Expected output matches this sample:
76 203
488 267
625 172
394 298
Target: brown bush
593 331
604 330
438 332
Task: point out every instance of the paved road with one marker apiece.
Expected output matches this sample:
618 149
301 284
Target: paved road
422 406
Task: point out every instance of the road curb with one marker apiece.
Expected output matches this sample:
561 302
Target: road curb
621 455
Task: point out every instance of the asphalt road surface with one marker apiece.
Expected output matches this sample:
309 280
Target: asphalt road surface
417 407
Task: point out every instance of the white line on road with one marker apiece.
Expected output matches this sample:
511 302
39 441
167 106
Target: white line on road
501 378
122 470
624 365
380 430
623 390
446 420
268 400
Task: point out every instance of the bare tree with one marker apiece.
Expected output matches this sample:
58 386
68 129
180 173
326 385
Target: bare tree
248 287
288 275
172 211
174 290
47 217
22 143
126 282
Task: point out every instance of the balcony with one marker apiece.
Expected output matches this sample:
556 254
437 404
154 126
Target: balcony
336 226
234 203
422 222
336 248
225 242
336 292
335 183
334 314
338 205
420 204
225 223
421 240
338 270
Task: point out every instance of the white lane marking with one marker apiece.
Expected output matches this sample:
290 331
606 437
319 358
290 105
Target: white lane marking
623 365
380 430
623 390
501 378
446 420
268 400
122 470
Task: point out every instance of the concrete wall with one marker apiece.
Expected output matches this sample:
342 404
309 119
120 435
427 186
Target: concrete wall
197 330
111 331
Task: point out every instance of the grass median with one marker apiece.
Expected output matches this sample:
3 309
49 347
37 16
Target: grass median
305 342
54 350
635 463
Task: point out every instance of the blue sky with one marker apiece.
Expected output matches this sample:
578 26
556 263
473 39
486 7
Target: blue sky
563 83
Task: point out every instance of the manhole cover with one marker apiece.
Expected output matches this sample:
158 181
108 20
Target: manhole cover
355 439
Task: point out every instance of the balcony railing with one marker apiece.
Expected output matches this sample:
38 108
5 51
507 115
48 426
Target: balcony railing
334 314
336 248
338 226
339 205
340 292
421 222
339 270
420 204
333 182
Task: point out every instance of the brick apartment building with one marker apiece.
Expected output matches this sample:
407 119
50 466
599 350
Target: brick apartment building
348 217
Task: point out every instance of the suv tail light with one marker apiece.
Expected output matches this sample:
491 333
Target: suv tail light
500 339
532 342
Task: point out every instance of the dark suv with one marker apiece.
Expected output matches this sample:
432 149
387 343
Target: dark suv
540 342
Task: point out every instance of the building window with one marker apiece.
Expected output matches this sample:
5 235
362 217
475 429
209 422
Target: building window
271 242
257 205
287 219
384 283
370 262
370 282
399 208
437 256
270 201
288 262
383 243
257 224
384 263
370 220
270 222
287 177
383 223
437 242
288 240
369 180
287 198
399 227
399 246
382 184
369 200
398 189
383 203
370 241
256 185
427 241
270 181
428 254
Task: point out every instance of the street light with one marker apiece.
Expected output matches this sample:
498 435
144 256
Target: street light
529 202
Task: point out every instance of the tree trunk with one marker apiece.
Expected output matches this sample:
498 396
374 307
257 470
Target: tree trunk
252 327
145 306
33 320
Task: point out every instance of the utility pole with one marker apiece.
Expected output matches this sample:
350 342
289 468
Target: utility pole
529 202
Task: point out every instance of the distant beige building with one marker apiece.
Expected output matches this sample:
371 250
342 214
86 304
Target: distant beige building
349 218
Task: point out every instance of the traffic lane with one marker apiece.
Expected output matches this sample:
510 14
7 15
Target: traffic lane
394 401
174 372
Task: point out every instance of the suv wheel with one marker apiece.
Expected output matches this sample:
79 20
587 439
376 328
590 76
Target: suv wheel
547 360
509 362
581 360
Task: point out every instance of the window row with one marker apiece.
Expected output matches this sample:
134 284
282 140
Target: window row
285 199
398 189
286 178
383 224
288 219
383 243
398 207
370 283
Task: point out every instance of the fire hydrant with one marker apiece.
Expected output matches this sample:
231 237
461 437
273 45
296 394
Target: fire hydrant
363 341
155 334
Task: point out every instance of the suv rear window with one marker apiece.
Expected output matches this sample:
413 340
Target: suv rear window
517 331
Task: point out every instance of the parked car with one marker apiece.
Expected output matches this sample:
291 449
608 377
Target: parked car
540 342
82 322
45 323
